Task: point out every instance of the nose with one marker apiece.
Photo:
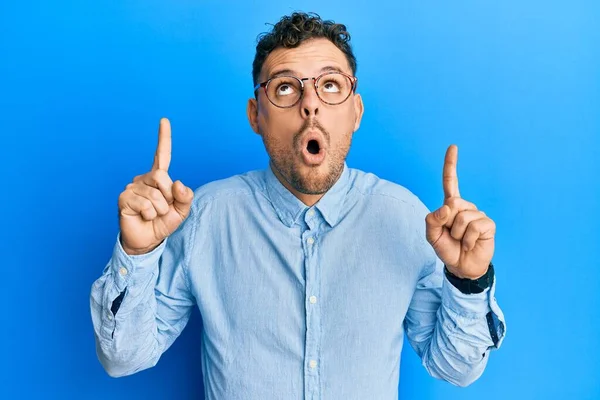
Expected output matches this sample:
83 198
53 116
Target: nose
309 105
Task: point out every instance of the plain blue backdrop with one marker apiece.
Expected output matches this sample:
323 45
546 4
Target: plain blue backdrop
515 84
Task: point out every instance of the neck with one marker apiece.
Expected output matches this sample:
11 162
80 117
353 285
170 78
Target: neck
307 199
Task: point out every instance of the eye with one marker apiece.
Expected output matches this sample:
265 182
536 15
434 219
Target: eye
331 86
285 89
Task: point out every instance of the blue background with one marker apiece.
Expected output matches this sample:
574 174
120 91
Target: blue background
516 85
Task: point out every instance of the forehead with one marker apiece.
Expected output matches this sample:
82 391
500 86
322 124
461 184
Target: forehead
308 59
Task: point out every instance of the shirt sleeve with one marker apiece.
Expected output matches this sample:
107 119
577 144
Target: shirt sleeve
453 333
154 303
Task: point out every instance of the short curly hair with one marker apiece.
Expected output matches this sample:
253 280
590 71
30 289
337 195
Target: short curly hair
292 30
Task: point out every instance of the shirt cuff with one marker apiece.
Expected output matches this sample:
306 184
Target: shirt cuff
474 305
124 265
477 306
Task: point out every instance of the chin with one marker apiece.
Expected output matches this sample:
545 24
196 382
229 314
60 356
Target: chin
316 179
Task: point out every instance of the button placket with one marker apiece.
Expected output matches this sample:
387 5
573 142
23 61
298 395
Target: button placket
310 244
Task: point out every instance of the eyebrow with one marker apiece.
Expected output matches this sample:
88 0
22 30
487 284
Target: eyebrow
284 72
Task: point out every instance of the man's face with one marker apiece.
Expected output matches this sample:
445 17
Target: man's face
308 142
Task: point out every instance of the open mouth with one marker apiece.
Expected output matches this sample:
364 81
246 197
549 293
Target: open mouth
313 147
313 152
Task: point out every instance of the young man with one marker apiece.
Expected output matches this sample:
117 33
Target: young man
308 273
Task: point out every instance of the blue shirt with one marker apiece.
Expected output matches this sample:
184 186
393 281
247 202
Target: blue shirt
297 302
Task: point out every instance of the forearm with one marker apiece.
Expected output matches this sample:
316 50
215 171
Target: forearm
468 326
124 340
129 337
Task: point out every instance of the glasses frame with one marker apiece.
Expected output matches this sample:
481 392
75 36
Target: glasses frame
265 86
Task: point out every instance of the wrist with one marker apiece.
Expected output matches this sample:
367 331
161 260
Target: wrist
471 286
138 252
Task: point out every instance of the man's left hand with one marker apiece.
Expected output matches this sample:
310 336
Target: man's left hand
461 235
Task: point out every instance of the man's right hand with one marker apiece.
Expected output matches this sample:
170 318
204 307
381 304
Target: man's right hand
152 206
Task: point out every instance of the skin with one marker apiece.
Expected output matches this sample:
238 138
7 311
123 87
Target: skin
281 129
153 206
461 235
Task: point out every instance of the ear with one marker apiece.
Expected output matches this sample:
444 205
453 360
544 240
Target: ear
358 111
252 112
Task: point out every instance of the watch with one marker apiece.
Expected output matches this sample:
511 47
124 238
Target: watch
471 286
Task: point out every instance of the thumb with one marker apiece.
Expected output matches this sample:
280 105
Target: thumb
182 198
435 223
442 213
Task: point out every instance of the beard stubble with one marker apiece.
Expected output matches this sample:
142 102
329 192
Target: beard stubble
311 181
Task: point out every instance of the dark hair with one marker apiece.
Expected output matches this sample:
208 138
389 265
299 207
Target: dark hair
293 30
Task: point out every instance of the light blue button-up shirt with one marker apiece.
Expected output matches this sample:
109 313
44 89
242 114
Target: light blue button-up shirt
297 302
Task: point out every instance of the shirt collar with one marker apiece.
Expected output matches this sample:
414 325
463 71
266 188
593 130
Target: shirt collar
289 208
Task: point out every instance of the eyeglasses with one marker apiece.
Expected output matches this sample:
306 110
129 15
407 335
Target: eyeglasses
331 87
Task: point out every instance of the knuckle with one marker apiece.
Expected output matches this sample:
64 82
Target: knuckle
156 178
146 204
122 199
150 180
147 215
479 222
125 195
156 195
472 228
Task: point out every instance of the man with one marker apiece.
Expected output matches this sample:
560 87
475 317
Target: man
307 274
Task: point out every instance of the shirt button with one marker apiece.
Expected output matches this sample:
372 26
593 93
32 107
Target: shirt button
109 316
312 364
310 240
311 213
312 299
123 271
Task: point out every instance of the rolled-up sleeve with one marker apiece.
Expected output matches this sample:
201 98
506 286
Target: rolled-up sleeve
140 304
453 332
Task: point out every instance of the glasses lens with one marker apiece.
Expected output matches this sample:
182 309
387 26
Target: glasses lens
334 88
284 91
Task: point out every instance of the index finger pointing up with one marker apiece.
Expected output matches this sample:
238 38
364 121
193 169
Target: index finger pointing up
162 157
449 178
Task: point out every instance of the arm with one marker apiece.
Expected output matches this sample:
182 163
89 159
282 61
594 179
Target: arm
452 332
153 304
